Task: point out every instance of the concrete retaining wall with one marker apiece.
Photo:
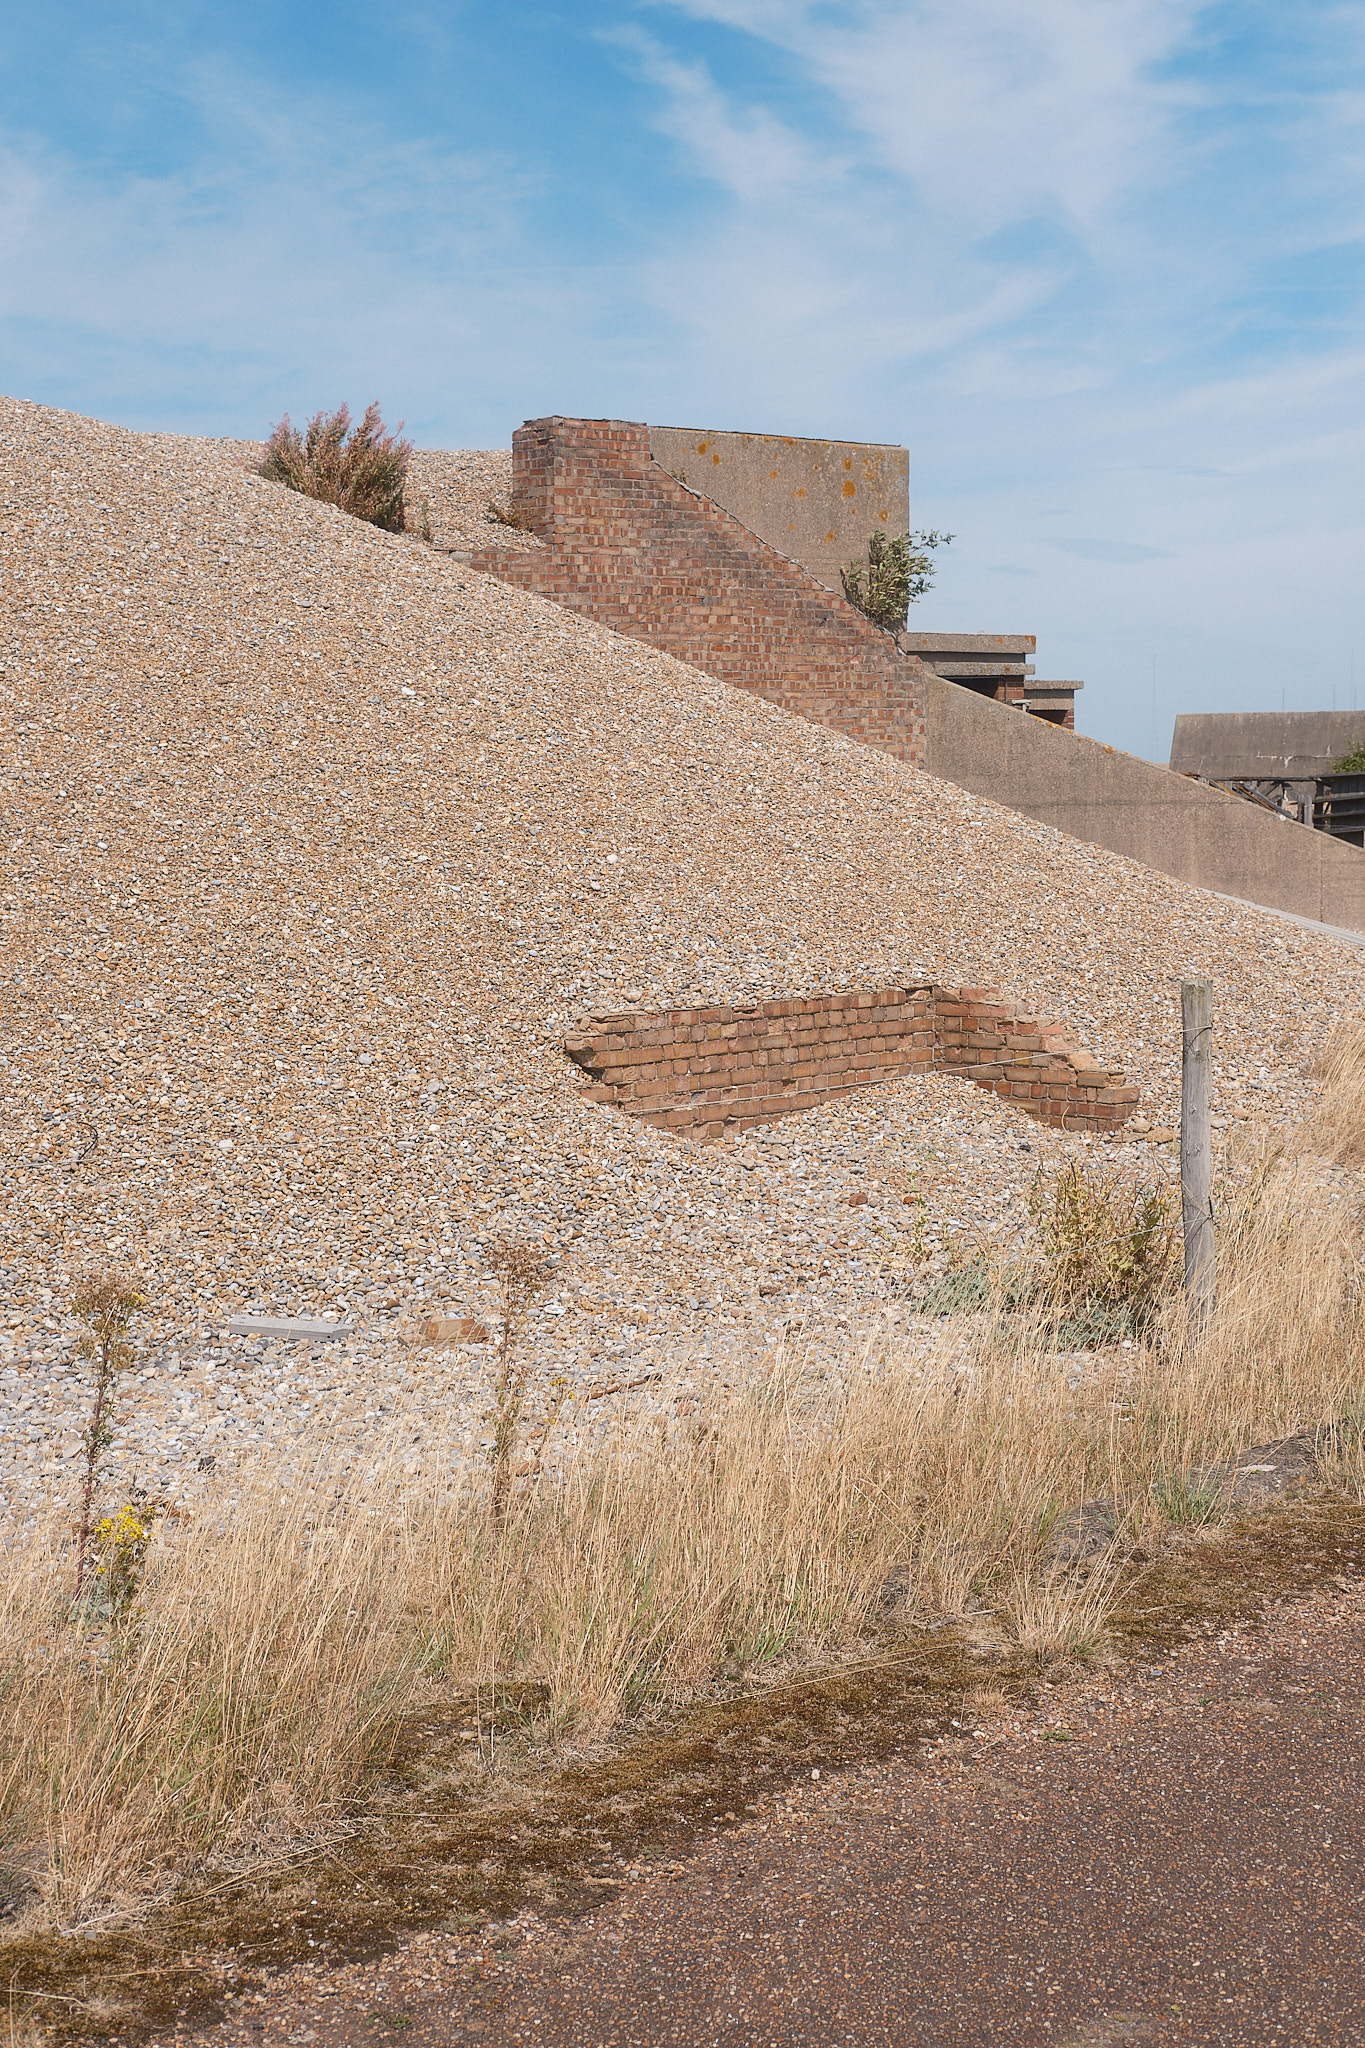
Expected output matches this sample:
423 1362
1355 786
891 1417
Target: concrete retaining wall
1204 836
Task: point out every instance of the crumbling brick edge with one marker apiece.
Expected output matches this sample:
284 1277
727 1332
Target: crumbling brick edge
709 1071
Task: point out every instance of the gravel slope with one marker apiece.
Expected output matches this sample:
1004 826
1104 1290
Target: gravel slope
316 843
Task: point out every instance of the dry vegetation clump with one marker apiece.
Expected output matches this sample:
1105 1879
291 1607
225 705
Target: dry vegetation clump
247 1695
1105 1258
1108 1242
1336 1130
363 469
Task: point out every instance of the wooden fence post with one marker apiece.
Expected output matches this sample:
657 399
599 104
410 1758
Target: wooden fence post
1196 1147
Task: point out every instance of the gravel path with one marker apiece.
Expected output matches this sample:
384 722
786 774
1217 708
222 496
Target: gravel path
316 844
1171 1854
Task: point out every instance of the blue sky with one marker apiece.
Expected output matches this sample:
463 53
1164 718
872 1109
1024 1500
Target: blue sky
1100 264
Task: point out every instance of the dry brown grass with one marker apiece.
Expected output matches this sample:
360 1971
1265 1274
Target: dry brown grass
1336 1131
242 1703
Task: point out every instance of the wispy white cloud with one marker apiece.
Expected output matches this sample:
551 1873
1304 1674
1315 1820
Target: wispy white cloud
990 110
1060 250
298 252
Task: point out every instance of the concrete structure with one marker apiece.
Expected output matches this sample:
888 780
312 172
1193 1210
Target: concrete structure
816 501
994 665
1251 746
631 546
1181 827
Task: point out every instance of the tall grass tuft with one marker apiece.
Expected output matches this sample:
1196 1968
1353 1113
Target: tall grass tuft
1337 1127
361 469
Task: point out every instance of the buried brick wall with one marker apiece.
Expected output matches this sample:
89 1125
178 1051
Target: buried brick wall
628 545
714 1070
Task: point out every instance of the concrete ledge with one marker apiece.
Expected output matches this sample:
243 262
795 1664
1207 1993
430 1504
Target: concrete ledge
295 1327
1203 836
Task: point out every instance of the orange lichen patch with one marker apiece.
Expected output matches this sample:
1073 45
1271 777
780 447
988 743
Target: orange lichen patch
850 489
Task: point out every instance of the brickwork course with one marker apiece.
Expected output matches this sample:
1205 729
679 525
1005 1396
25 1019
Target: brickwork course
629 545
712 1070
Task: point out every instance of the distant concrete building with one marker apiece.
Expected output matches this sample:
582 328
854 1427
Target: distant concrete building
995 665
1256 746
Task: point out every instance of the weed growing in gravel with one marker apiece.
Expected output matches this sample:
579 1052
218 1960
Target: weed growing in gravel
363 469
522 1272
122 1541
1104 1263
1107 1239
107 1307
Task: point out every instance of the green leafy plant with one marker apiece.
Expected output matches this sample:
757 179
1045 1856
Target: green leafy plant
363 469
897 571
107 1307
1108 1245
1352 763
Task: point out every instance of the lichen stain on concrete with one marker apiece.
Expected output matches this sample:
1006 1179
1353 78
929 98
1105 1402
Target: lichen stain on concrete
850 489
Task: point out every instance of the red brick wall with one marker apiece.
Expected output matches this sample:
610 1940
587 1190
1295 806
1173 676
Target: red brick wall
631 547
723 1069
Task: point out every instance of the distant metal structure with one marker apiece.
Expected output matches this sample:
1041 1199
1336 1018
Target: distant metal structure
1334 804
